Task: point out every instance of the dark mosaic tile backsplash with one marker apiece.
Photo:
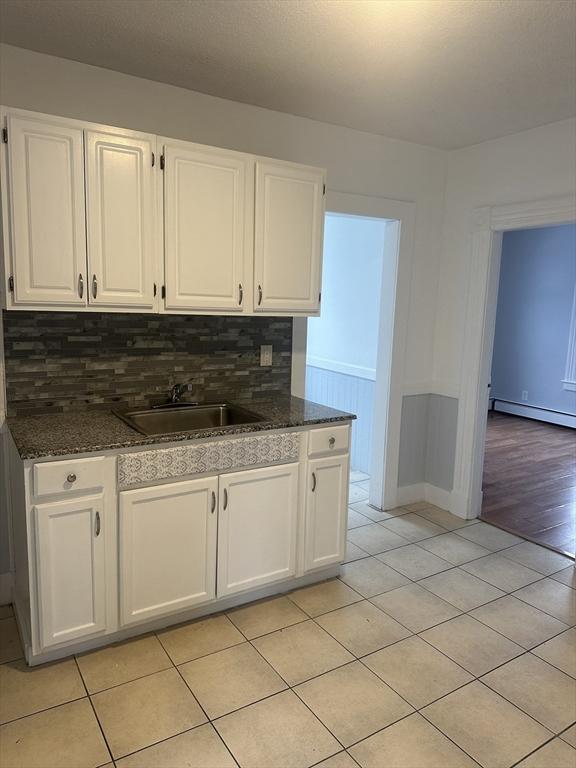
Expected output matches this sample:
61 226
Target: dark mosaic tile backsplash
69 361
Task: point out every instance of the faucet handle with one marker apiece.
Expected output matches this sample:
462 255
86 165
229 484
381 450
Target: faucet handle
178 390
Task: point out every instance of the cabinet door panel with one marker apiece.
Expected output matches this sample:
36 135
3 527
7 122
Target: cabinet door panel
46 186
326 512
289 225
167 548
70 558
205 219
120 216
257 527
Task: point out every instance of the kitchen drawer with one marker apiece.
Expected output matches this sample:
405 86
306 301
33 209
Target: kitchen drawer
329 440
68 476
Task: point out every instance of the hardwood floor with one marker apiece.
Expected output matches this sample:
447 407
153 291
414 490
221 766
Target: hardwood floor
530 480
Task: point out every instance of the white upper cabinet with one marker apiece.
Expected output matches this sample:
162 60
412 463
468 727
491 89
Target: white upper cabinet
289 218
120 215
89 221
206 211
46 203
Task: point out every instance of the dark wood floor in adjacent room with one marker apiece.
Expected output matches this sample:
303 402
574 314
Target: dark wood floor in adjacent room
530 480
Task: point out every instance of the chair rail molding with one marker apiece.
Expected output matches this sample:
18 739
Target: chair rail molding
487 225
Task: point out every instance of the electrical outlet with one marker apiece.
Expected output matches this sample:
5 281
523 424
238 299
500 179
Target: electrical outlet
524 394
265 355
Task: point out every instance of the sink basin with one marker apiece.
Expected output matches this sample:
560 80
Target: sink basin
181 418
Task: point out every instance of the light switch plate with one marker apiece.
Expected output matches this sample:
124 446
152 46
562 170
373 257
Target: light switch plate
265 355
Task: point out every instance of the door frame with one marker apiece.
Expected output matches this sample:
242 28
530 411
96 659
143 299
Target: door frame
489 223
390 379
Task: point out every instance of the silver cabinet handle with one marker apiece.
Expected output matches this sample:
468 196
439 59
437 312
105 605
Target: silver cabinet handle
225 499
94 287
240 294
332 442
313 481
97 530
213 507
259 295
71 477
80 285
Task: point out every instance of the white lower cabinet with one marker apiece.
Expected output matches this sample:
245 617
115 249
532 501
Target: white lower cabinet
71 573
167 548
257 527
326 512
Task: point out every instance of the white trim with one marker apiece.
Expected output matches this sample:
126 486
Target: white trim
486 234
437 387
410 494
348 369
538 414
6 586
569 380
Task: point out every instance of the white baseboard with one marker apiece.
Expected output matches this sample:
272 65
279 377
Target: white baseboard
6 583
539 414
409 494
438 496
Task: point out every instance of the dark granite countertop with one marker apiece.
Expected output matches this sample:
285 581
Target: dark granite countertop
68 433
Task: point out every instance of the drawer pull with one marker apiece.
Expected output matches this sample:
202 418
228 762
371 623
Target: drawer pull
97 531
313 481
332 442
71 477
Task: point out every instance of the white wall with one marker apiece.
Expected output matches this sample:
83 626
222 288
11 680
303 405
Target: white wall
346 335
526 166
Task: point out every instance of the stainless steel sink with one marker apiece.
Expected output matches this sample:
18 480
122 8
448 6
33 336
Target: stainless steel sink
184 418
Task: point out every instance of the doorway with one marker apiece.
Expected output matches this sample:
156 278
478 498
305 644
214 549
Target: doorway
344 360
490 224
529 478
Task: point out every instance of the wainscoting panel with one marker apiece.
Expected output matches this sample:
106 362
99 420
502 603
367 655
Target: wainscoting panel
347 393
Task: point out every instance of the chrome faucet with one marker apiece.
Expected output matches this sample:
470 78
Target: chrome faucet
178 390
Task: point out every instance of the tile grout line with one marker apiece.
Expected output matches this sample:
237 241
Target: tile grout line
100 726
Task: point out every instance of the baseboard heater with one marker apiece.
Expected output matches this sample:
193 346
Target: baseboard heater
549 415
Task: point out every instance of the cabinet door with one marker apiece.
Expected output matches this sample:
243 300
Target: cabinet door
326 512
167 548
46 186
205 211
70 560
289 221
257 527
120 214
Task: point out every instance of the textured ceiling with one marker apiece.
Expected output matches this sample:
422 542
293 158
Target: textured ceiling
447 73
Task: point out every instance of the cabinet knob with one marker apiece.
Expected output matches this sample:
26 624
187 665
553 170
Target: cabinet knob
71 477
332 442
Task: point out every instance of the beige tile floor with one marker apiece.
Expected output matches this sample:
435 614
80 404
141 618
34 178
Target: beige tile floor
442 645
